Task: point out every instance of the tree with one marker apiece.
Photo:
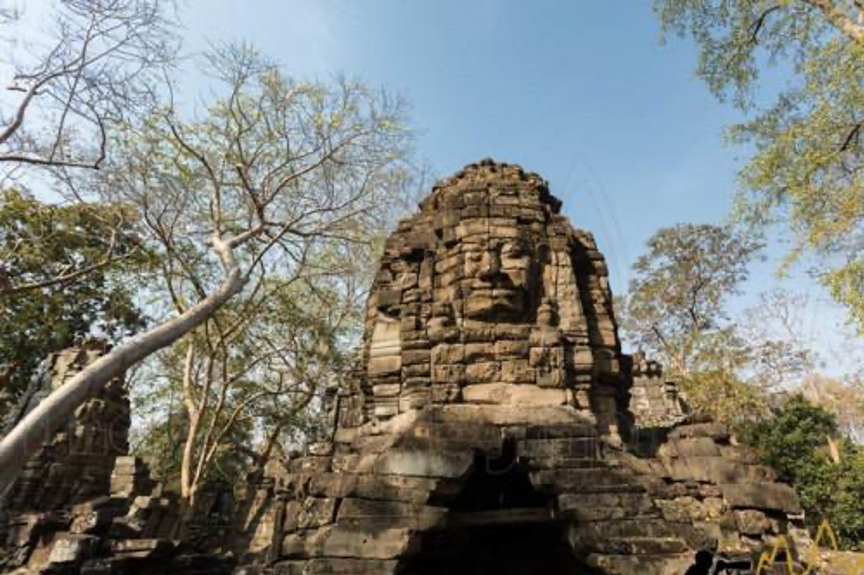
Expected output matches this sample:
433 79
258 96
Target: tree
674 307
248 377
43 248
276 172
807 167
794 442
776 335
842 397
675 310
99 64
256 366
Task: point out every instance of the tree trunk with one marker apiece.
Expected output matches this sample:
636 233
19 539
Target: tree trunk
186 486
40 424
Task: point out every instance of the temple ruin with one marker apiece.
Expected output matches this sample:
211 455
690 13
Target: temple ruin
491 424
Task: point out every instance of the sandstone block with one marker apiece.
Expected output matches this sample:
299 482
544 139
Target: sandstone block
508 415
447 354
446 393
415 399
309 512
558 448
142 548
397 488
341 541
509 394
354 462
551 378
416 370
448 373
511 349
584 480
424 464
388 514
410 357
752 522
712 430
605 505
517 371
664 564
386 390
476 352
379 366
70 550
384 409
518 332
707 469
349 567
692 446
771 496
310 464
483 372
332 484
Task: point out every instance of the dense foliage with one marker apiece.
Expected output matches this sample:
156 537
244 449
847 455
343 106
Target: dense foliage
794 441
675 310
304 176
675 303
807 166
40 311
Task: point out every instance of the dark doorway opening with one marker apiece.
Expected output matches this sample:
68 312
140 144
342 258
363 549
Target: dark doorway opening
498 483
498 524
502 550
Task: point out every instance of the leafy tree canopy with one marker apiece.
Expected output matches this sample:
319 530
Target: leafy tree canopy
794 441
675 311
675 303
61 279
807 166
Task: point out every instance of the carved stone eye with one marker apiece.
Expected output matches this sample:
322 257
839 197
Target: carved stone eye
513 251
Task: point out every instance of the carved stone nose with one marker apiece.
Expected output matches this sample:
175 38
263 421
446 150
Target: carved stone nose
490 265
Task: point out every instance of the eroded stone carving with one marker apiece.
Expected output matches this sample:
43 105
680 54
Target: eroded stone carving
82 505
486 424
495 295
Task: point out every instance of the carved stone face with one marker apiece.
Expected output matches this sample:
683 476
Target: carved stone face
498 278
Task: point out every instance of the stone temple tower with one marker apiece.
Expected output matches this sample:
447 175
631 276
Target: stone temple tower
489 297
486 429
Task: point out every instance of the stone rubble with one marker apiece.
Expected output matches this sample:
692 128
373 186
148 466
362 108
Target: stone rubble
82 505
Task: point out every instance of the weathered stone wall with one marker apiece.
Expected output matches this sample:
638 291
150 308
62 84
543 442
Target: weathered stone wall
380 503
488 296
74 464
83 505
654 401
491 399
485 427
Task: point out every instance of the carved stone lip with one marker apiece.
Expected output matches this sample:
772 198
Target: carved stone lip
496 296
487 288
504 292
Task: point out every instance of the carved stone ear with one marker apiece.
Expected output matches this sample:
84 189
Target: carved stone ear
547 313
388 301
561 289
385 347
542 253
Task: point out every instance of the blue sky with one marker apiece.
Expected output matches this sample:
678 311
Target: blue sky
581 92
